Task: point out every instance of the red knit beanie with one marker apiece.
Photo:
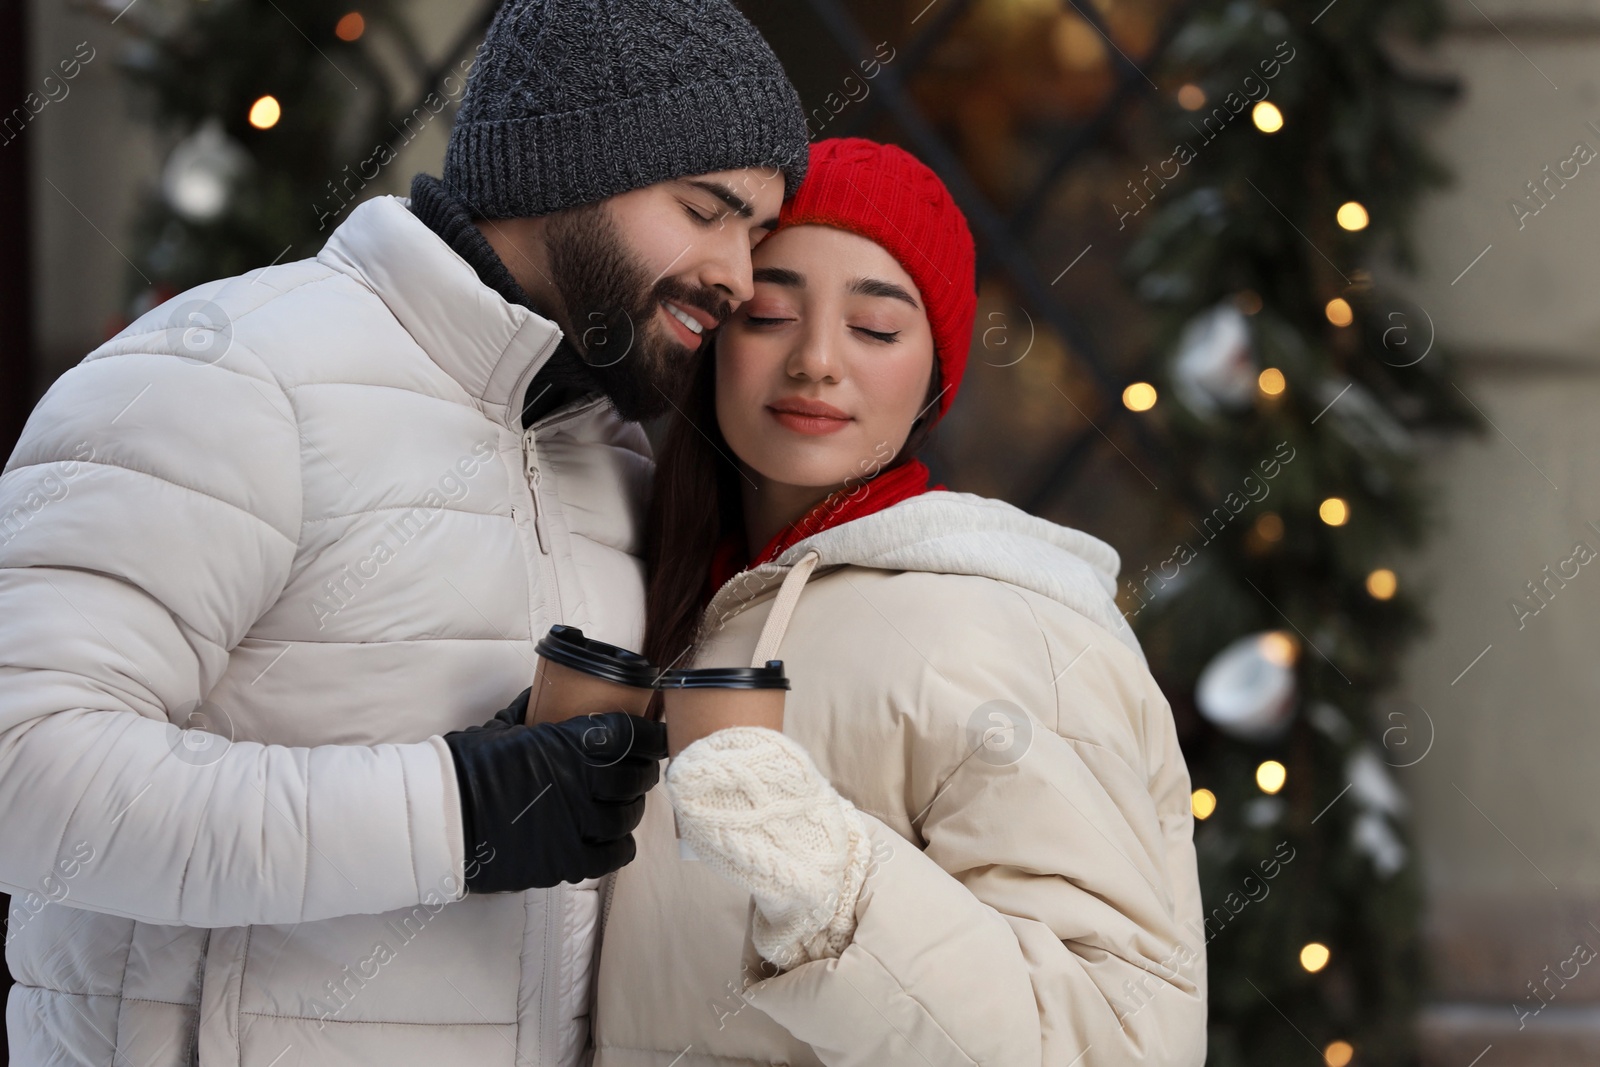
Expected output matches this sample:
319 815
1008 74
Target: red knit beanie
888 196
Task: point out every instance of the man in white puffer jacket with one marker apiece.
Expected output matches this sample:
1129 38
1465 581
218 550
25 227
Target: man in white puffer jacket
270 552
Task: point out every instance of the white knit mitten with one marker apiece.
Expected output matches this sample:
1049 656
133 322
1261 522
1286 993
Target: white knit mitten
756 810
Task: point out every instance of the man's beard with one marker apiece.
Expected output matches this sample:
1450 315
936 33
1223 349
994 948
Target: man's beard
611 307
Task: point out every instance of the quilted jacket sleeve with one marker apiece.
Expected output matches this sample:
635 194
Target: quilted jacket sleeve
1051 916
148 517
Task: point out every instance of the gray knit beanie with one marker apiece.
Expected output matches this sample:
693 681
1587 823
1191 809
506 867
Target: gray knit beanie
572 101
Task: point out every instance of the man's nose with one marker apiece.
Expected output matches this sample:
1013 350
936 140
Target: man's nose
728 269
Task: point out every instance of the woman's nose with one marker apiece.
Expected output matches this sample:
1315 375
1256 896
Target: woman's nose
816 355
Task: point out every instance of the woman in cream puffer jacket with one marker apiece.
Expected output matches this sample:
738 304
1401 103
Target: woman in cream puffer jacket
971 842
960 673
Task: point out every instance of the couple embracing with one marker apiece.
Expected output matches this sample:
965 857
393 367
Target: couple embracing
249 663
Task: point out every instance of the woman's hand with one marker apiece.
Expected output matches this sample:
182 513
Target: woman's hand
756 810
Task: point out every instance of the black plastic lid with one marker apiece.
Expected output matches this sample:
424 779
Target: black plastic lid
769 677
567 646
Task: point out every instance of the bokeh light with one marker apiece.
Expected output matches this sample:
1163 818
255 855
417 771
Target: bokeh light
1352 216
1271 775
1382 583
1140 396
1314 956
350 27
265 112
1279 647
1267 117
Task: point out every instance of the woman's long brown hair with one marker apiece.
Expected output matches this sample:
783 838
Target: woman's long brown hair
695 502
693 499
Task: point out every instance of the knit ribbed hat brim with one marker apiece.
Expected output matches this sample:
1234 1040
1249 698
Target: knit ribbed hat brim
588 155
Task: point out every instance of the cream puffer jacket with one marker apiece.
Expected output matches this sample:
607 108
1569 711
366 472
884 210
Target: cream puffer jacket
961 674
296 509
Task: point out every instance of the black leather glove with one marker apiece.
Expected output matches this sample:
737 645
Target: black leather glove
556 802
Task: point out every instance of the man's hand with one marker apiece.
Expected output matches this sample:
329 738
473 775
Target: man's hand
556 802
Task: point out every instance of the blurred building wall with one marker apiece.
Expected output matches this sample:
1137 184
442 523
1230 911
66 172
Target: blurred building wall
91 159
1509 796
96 152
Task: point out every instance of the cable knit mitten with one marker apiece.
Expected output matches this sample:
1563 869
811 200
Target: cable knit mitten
756 810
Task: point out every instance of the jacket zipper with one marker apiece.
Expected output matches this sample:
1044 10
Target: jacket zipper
193 1057
547 567
605 907
534 476
530 455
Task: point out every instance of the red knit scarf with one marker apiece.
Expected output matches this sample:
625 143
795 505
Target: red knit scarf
855 501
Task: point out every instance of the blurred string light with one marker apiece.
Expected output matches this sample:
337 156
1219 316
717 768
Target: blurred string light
1339 312
1267 117
1338 1054
350 27
1269 527
1270 381
1203 802
1248 301
1382 583
1078 45
1140 396
1314 956
1352 216
265 112
1276 645
1334 511
1191 97
1270 776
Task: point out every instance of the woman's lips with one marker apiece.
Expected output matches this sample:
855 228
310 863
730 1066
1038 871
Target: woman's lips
809 422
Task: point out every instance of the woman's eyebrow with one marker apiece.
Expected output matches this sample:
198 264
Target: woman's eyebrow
791 279
879 287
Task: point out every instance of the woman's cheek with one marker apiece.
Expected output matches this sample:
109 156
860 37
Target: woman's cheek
896 395
737 396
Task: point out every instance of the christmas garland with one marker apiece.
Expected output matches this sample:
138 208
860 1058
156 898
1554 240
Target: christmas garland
1281 618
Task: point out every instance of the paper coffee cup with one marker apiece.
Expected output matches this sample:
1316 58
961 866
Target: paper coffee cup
577 675
697 703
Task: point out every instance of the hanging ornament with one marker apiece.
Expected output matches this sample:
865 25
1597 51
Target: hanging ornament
1361 420
1214 367
1330 720
198 178
1248 689
1373 836
1371 784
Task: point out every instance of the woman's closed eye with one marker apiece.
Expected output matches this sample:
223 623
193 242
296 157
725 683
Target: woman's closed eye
887 337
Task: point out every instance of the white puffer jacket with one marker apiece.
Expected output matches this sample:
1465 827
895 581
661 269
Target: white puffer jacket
296 509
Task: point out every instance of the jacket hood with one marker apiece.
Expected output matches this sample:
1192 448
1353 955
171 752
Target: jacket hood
961 533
